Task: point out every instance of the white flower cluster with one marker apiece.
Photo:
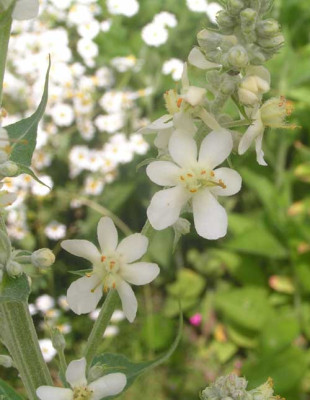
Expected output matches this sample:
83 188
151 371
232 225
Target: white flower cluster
156 33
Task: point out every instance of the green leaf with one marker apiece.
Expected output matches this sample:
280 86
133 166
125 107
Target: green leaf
119 363
7 392
188 284
23 169
257 240
14 289
5 248
247 307
157 323
24 133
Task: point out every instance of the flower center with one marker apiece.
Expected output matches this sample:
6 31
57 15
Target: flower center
193 180
107 269
82 393
274 111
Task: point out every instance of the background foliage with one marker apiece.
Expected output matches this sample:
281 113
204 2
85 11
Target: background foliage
252 288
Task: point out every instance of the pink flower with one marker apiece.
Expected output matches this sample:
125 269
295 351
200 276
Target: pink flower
195 319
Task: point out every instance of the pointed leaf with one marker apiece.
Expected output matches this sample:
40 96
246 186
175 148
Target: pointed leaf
8 393
23 169
24 133
14 289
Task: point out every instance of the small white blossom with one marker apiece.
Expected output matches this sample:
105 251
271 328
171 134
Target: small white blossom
194 182
123 7
174 66
47 349
108 385
113 268
55 230
154 34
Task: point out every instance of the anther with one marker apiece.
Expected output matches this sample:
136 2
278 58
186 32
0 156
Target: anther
179 102
222 184
193 190
212 174
190 175
203 172
114 285
103 258
182 178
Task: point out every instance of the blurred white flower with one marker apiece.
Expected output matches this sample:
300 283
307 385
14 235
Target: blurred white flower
165 18
106 25
104 77
174 66
44 303
61 4
32 309
62 302
93 186
212 10
55 230
40 190
124 7
87 48
62 114
47 349
197 5
138 144
80 14
117 316
114 267
154 34
111 331
109 123
89 30
123 64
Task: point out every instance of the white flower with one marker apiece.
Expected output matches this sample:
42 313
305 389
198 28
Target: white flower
44 303
174 66
194 181
124 7
113 268
166 19
108 385
47 349
154 34
25 9
62 114
55 230
87 48
254 85
197 5
271 114
111 331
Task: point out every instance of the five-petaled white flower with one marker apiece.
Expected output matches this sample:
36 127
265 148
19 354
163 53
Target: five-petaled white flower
194 181
108 385
113 268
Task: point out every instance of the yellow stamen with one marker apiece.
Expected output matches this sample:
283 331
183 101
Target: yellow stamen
103 258
93 289
212 174
193 190
222 184
179 102
182 178
203 172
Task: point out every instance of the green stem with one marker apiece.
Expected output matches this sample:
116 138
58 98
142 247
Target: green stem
147 229
19 336
5 32
95 337
62 366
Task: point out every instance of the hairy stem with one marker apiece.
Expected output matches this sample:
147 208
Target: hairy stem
19 336
5 32
95 337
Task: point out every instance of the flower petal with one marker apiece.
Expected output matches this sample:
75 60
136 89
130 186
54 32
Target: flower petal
165 207
82 248
215 148
183 149
108 385
210 217
164 173
128 299
75 374
259 151
133 247
184 79
140 273
25 9
52 393
197 59
107 235
253 131
231 179
162 123
84 294
162 139
184 122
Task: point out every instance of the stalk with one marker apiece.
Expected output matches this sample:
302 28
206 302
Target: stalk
95 337
5 32
19 336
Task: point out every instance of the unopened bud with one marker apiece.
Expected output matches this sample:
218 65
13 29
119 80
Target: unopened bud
209 40
237 57
272 42
14 268
225 22
268 28
195 95
6 361
95 372
235 6
8 168
58 339
248 23
42 258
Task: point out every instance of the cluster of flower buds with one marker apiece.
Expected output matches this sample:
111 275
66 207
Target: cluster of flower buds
244 37
232 387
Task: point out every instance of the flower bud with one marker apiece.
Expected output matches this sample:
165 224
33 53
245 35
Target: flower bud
209 40
272 42
14 268
225 22
251 89
6 361
8 168
274 111
237 57
235 6
226 387
95 372
42 258
58 339
248 23
195 95
267 28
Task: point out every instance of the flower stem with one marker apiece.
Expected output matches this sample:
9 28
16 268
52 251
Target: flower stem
19 336
5 32
95 337
147 229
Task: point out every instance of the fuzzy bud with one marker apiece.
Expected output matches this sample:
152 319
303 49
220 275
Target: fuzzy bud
226 387
237 57
209 40
58 339
95 372
268 28
248 23
42 258
195 96
235 6
270 43
14 268
3 156
8 168
225 22
6 361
